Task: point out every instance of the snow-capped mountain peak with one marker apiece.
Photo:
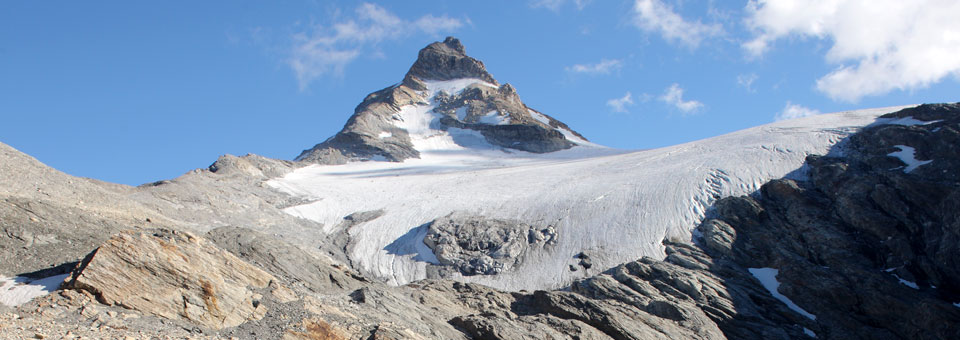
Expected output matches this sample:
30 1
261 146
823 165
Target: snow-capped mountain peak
447 102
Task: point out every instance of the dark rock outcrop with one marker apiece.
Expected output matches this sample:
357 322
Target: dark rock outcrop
474 245
866 246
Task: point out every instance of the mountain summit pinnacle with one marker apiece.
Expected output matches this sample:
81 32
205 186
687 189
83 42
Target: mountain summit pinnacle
446 103
446 60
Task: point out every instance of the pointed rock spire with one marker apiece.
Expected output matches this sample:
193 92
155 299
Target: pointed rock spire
445 61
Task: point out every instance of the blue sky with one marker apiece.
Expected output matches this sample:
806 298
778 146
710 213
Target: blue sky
134 92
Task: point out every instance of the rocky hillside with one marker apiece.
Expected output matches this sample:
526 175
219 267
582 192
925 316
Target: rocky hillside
864 247
48 218
451 91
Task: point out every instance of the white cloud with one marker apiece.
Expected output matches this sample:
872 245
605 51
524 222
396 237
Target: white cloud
328 49
655 16
673 95
432 25
554 5
746 81
620 104
791 111
878 46
605 66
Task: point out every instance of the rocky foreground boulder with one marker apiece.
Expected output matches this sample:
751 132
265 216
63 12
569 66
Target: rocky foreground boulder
174 275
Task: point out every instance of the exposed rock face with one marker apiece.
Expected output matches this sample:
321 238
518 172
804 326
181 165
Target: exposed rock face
294 266
254 166
866 246
571 315
474 245
524 132
175 275
445 60
49 220
372 131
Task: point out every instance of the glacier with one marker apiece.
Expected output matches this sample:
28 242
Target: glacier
614 205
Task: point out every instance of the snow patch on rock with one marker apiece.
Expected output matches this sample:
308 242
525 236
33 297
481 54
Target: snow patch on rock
907 121
494 118
768 278
569 135
910 284
907 156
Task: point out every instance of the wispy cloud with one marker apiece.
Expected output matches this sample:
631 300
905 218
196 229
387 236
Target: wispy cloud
791 111
655 16
878 46
605 66
673 95
746 81
554 5
328 49
620 104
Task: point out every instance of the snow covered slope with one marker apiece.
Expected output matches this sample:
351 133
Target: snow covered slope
611 205
421 122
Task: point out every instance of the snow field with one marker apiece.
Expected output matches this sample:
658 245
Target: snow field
615 206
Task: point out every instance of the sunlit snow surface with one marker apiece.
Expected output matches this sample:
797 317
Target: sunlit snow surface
614 205
19 290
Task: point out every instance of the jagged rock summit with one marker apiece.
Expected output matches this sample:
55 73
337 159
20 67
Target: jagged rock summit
446 60
446 102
